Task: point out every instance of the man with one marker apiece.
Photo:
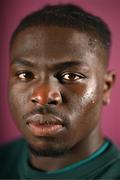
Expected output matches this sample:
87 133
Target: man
58 84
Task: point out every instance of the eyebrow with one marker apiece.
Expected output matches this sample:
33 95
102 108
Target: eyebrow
70 64
61 65
22 62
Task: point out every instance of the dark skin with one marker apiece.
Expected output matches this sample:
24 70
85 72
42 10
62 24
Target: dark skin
55 67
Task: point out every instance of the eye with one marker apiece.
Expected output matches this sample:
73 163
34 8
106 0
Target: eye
25 75
71 77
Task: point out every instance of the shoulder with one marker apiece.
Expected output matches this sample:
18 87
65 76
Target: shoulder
11 147
10 153
113 152
111 163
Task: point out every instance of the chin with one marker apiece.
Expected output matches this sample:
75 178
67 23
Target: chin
48 149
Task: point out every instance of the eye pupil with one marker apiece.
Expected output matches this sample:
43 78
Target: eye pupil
70 77
28 75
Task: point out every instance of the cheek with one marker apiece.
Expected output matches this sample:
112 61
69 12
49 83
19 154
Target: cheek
87 103
17 102
18 105
84 94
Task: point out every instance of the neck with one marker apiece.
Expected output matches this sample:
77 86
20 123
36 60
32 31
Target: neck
81 150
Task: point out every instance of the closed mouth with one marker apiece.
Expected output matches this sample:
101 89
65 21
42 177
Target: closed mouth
42 126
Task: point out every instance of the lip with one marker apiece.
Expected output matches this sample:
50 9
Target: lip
40 126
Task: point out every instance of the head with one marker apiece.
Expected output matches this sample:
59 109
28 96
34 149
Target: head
58 77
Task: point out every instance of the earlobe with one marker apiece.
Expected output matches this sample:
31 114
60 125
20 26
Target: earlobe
109 81
106 101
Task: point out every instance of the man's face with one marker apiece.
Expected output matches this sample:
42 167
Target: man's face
55 87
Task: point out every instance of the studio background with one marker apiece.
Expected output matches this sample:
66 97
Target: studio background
12 11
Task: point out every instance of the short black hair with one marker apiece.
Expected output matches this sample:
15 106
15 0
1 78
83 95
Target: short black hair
68 15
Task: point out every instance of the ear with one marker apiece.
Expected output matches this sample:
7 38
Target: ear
109 80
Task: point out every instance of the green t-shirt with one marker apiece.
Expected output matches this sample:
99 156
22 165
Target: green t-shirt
103 164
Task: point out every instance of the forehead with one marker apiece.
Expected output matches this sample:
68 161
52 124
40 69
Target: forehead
54 43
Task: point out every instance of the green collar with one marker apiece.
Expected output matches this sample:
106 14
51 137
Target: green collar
80 169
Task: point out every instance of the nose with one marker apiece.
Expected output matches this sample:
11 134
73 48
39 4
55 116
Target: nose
46 95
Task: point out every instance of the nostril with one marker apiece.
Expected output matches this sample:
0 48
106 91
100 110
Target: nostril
37 99
54 98
54 102
34 100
